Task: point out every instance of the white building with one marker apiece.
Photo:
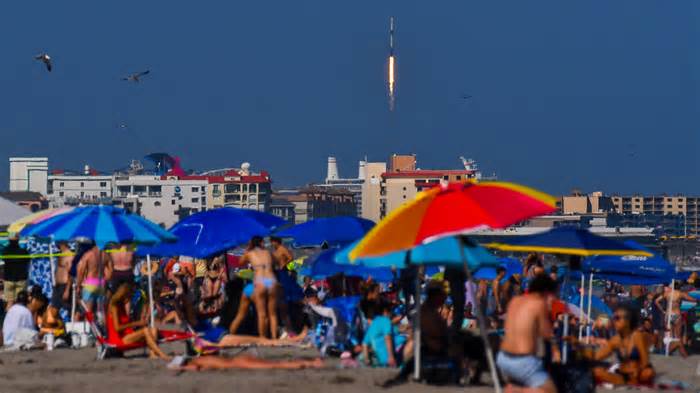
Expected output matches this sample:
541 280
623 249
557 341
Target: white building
29 174
74 189
162 199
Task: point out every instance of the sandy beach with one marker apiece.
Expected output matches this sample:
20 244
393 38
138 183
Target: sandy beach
67 370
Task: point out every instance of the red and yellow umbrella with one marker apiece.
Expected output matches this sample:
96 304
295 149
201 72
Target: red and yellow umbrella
451 209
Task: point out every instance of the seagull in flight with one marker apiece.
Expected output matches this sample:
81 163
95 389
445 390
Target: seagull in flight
136 77
46 59
466 97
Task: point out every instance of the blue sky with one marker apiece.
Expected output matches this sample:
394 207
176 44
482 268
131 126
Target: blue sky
599 95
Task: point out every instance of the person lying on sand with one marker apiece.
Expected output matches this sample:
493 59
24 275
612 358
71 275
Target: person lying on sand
236 340
202 363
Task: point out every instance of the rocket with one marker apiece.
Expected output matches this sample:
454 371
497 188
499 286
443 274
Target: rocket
391 66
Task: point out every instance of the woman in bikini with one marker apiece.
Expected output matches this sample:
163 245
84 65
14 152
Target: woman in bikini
265 286
122 331
630 346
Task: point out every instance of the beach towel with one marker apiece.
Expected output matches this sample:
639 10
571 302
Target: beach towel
40 268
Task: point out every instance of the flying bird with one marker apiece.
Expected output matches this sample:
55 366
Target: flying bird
136 77
46 59
466 97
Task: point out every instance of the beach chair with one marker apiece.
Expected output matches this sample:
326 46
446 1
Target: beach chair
106 348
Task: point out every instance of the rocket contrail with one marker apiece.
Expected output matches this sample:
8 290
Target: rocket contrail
392 66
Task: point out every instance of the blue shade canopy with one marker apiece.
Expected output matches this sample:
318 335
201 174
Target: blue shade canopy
213 231
631 270
102 224
445 251
570 241
333 231
324 265
512 266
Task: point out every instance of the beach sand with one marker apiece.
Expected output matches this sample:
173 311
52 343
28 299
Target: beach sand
67 370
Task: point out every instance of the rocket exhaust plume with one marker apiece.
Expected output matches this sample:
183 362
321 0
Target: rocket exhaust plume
391 66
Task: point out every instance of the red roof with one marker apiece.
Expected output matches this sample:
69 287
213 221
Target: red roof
427 173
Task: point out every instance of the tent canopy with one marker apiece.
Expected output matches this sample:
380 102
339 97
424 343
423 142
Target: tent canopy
11 212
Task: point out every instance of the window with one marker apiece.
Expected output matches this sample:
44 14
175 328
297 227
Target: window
61 184
157 203
82 184
253 188
669 206
215 190
459 177
103 195
172 201
445 177
404 197
103 184
140 190
195 200
404 188
82 194
636 206
195 189
60 194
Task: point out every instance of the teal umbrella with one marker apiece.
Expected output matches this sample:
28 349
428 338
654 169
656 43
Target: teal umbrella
445 251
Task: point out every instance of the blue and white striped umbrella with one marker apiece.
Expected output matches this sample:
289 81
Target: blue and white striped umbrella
102 224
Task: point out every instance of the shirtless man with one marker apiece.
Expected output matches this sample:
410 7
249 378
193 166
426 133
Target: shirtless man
90 279
121 262
265 286
497 289
527 321
675 297
62 279
281 254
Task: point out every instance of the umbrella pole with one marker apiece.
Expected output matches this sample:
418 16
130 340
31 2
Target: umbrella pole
482 325
669 333
416 324
565 344
72 306
150 291
53 268
588 314
580 316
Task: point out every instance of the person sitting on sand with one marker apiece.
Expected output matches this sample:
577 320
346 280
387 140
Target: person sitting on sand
527 321
632 349
50 322
121 330
240 362
18 318
388 347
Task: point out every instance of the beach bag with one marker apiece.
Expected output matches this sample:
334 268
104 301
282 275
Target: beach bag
573 378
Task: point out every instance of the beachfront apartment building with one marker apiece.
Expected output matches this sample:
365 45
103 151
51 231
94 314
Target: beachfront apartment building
239 188
162 199
316 202
686 207
72 189
385 191
29 174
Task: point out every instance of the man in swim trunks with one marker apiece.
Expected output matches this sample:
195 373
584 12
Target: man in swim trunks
62 279
527 321
90 279
280 254
121 262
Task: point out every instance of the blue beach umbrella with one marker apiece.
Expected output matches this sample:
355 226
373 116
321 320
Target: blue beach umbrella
570 241
213 231
631 270
324 265
102 224
512 266
333 231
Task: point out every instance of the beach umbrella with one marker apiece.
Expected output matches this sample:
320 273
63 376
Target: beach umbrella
570 241
631 269
210 232
10 211
442 252
450 209
331 231
101 224
512 266
324 265
35 218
